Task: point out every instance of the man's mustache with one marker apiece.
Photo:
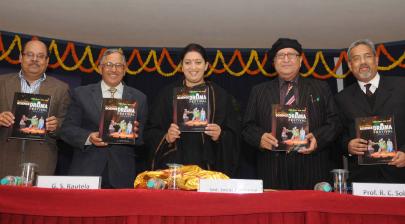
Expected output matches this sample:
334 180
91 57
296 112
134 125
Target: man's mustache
364 66
34 64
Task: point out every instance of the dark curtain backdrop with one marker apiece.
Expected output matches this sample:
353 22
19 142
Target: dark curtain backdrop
151 82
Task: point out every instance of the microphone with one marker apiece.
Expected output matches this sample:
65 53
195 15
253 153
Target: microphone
323 186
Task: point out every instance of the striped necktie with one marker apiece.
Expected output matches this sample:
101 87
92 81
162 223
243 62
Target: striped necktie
289 96
112 90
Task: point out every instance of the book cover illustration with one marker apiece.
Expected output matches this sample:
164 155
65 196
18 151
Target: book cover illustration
290 126
379 131
191 110
117 121
30 112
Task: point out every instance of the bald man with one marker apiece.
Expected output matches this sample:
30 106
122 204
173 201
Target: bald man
31 78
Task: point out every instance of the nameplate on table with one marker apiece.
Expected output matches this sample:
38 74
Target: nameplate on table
69 182
235 186
379 189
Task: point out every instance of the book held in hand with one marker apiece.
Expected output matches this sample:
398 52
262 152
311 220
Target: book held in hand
117 121
290 127
379 132
191 111
30 112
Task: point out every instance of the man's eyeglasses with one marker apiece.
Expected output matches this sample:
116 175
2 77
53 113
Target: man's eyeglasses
31 56
110 66
290 56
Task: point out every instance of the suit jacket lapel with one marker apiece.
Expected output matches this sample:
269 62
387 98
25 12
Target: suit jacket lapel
383 93
125 93
303 88
46 87
13 85
361 101
274 89
97 96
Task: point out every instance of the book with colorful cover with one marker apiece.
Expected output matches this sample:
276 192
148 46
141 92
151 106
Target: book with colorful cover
379 131
191 109
290 127
30 112
117 121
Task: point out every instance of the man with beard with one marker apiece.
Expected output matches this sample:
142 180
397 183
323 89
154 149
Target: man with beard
372 95
31 79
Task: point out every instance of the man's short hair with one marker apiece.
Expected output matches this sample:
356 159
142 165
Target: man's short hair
111 51
356 43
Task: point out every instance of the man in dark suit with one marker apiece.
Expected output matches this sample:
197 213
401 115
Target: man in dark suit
31 79
298 169
92 156
371 95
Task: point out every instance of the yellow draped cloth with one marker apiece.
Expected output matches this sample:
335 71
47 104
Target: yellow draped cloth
188 180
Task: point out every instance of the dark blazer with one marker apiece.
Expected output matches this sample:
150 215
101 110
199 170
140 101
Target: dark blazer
292 171
42 153
390 100
83 117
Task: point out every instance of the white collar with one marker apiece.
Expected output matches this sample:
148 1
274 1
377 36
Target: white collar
105 88
374 83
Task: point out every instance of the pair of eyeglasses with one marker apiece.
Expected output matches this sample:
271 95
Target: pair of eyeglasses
118 66
290 56
31 55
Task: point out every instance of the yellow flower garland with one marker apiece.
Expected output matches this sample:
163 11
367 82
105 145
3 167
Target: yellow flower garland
219 60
